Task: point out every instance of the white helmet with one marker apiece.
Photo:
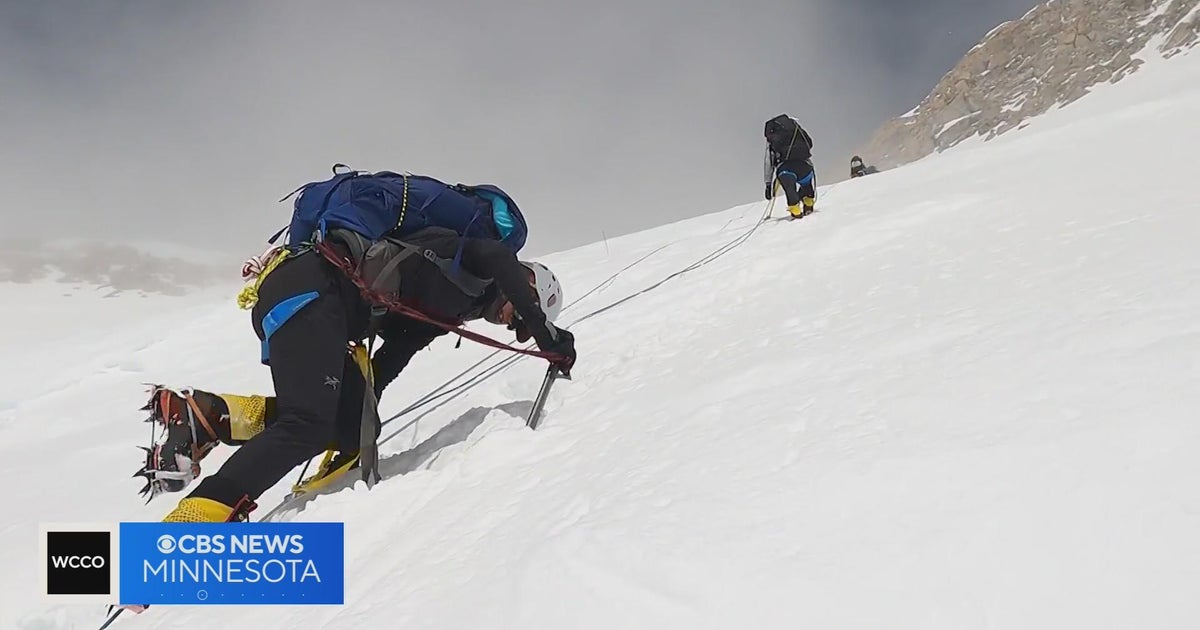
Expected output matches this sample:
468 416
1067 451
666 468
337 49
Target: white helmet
549 291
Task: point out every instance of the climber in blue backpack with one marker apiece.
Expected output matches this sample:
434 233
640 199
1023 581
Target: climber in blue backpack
357 243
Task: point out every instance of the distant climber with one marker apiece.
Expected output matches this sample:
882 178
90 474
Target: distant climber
788 164
860 169
857 168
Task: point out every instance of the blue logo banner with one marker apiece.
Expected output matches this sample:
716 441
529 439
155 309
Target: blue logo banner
232 563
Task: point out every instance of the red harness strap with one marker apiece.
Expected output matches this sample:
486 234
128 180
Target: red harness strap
395 306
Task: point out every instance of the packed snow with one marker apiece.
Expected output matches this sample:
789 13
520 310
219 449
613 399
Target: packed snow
960 395
950 124
1015 103
1160 8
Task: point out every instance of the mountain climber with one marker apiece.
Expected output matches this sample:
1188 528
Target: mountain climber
860 169
788 164
312 319
857 168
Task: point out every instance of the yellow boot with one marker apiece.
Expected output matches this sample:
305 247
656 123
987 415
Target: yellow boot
809 204
247 415
198 510
195 422
333 466
211 418
216 500
795 211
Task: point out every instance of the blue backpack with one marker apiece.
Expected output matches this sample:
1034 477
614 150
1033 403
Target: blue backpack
375 205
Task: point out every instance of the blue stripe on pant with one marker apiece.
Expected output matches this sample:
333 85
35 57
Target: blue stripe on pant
278 316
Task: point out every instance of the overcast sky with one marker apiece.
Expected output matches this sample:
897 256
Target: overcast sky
185 122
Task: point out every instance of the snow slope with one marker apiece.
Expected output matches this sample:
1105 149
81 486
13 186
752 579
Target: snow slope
961 395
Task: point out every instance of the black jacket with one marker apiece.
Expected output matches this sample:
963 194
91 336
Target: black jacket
428 279
787 140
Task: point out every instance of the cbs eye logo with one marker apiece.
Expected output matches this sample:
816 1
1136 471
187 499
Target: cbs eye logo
78 563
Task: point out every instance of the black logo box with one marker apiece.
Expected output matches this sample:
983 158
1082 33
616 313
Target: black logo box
63 548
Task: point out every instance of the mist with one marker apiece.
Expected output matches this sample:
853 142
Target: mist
184 123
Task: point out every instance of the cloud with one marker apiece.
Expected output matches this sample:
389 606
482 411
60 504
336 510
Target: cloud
185 122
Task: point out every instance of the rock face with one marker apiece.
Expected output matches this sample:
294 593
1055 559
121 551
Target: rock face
1023 68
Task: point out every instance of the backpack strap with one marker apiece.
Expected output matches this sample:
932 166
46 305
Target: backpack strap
390 268
355 242
468 283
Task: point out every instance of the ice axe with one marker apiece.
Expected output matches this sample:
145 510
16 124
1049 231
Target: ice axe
535 414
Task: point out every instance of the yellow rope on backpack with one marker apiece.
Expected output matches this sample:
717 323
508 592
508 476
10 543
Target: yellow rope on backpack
248 296
404 202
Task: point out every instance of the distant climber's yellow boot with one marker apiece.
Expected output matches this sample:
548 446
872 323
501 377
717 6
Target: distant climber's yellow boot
795 211
809 204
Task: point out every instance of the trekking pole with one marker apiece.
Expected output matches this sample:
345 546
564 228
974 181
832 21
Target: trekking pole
112 618
115 611
552 374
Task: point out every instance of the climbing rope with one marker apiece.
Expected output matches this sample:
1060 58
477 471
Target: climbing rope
441 392
438 393
375 297
248 296
508 361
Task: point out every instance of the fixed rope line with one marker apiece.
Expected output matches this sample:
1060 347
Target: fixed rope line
720 251
492 371
457 390
437 392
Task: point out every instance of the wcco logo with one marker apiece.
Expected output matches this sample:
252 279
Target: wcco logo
77 563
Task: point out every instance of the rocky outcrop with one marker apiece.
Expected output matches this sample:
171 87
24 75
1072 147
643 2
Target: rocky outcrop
1052 56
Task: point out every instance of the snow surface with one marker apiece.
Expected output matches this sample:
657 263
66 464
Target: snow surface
1190 17
1160 8
1015 103
950 124
960 395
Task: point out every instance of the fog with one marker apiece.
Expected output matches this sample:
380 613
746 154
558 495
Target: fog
163 123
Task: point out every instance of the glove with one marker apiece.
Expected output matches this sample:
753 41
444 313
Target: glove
767 192
565 347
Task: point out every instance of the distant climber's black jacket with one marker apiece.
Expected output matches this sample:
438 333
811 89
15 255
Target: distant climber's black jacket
787 140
